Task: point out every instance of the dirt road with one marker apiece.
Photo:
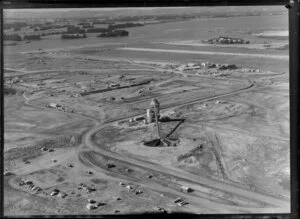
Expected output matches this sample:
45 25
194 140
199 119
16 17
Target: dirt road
257 55
195 181
260 202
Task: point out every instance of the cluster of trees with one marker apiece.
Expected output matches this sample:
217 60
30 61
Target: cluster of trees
125 25
52 33
84 24
17 37
32 37
72 36
112 27
45 27
12 37
114 33
72 32
9 91
74 29
133 18
88 26
227 40
37 27
96 30
15 25
102 22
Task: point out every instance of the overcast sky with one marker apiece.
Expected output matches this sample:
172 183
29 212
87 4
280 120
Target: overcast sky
70 12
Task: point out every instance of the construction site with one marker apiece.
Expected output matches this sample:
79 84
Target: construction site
126 126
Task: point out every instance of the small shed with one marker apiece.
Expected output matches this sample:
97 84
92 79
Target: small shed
186 189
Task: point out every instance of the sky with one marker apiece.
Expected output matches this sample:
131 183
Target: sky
70 12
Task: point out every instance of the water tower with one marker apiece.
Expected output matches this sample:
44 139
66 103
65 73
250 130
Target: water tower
153 115
154 109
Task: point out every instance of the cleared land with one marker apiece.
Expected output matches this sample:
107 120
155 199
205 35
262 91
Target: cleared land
72 147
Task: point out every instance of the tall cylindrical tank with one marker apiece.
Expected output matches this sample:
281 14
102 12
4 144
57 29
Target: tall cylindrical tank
154 104
149 116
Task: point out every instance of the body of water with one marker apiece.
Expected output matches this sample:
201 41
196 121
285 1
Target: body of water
196 29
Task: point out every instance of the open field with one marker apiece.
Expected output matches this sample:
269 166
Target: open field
76 127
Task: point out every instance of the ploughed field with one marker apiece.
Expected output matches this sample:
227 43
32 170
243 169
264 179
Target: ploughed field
73 147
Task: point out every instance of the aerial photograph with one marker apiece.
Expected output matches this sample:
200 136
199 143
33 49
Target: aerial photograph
120 111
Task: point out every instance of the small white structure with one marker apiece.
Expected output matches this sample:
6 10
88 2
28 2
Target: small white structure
114 85
182 203
76 95
90 206
53 193
186 189
204 64
220 101
54 105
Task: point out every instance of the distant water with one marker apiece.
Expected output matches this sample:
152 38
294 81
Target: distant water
185 30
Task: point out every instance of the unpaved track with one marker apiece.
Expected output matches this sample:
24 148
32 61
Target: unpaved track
196 181
257 55
195 198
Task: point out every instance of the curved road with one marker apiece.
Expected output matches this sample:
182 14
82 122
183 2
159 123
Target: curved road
273 204
195 181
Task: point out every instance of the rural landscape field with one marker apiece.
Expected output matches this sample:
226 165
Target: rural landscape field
146 110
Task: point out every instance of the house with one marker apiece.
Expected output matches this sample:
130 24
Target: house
91 206
186 189
138 191
53 105
129 187
182 203
114 85
61 195
53 193
205 64
76 95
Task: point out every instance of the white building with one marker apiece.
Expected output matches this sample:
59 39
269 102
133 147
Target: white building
186 189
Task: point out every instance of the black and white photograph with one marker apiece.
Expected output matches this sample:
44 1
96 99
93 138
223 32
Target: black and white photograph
136 110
